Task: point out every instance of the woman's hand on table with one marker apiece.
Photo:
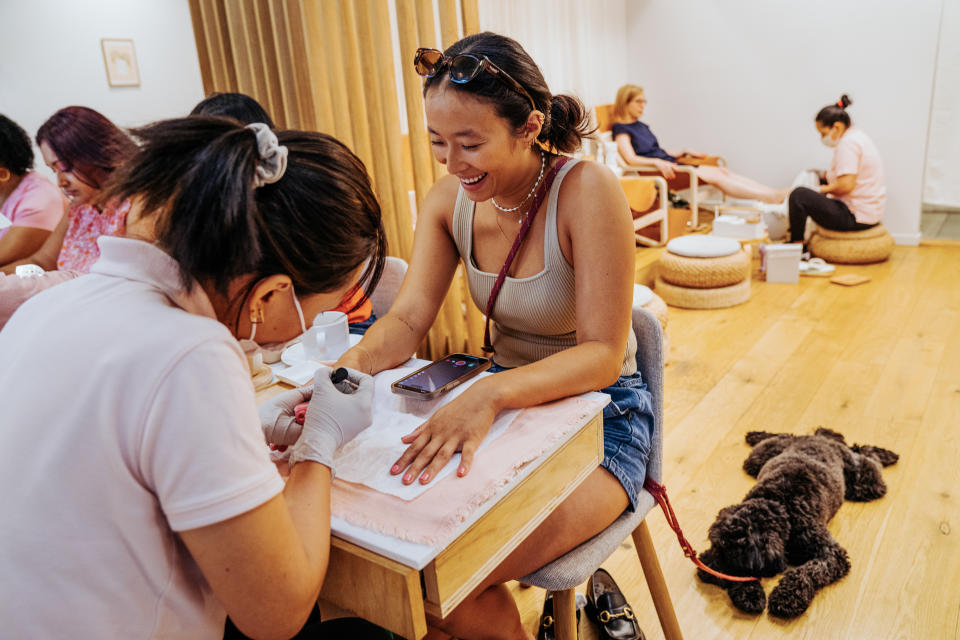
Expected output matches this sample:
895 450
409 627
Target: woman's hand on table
460 426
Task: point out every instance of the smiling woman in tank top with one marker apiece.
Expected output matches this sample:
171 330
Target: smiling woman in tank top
561 324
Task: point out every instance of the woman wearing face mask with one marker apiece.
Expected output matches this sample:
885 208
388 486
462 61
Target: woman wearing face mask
854 195
640 148
82 148
560 324
239 106
149 506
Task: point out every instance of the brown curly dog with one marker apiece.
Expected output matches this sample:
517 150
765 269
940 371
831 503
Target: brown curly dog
801 483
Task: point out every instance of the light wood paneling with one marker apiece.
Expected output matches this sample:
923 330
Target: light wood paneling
326 65
471 17
449 25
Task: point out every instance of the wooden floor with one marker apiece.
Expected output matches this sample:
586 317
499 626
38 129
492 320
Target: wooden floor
881 364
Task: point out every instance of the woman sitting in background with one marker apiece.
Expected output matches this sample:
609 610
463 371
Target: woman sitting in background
640 148
30 202
82 148
854 195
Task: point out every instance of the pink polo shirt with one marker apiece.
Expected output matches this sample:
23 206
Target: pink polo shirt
855 153
128 415
35 203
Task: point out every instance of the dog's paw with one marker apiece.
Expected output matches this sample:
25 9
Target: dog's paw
883 456
748 596
792 596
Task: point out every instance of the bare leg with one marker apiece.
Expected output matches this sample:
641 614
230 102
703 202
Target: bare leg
591 508
738 186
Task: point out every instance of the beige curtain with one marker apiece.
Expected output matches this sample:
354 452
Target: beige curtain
327 65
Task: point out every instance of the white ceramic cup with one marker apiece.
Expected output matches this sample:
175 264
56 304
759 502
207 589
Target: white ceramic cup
328 338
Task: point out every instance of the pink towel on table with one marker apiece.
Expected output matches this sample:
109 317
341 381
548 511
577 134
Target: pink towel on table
434 517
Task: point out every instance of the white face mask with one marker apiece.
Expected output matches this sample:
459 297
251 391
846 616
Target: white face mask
273 350
828 141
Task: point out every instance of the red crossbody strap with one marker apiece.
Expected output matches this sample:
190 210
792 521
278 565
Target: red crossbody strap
517 242
659 493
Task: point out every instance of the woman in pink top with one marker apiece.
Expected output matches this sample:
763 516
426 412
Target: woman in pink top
82 148
853 195
28 201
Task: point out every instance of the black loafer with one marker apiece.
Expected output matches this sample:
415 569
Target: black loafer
546 629
609 609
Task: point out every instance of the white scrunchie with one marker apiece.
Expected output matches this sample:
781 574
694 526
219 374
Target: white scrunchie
273 155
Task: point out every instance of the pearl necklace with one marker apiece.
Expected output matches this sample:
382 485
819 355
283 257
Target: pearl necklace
543 164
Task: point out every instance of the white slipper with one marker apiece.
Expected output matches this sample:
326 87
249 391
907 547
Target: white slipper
815 267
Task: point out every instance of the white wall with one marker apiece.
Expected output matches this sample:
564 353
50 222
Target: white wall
942 186
578 45
745 78
50 58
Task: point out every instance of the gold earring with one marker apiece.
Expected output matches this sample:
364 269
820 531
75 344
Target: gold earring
5 174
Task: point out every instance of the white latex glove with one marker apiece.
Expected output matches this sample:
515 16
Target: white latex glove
277 419
335 416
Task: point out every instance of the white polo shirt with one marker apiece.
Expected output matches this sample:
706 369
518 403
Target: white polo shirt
126 414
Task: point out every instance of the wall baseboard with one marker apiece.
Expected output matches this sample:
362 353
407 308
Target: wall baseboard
907 239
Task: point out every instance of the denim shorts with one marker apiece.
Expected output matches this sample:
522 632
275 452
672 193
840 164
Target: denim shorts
627 432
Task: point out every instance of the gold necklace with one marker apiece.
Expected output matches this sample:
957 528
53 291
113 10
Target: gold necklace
543 164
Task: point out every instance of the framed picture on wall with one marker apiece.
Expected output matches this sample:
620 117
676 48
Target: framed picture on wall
120 59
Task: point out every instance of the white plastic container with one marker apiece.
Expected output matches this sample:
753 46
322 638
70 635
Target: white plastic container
781 262
738 227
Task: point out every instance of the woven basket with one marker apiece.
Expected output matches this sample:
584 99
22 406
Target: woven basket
852 247
691 298
658 308
704 273
877 231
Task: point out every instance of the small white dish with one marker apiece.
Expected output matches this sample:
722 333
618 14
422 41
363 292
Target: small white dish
294 355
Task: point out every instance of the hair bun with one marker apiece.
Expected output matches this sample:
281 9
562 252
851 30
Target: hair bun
844 101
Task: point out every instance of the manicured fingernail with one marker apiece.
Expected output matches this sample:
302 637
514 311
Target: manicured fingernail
425 478
407 479
395 469
461 472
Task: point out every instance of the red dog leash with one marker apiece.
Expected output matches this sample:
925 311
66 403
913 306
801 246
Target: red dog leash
659 493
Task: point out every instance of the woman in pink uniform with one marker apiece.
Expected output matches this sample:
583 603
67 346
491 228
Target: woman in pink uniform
82 148
854 194
29 202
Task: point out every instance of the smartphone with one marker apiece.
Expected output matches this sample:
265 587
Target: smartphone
435 378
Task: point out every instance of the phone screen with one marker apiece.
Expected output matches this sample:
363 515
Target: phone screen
442 372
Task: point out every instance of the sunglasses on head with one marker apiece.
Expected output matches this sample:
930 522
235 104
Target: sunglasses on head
463 68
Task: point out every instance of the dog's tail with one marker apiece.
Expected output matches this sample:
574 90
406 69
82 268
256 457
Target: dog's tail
883 456
756 437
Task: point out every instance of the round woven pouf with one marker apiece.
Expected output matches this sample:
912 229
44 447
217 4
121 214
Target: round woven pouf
693 298
704 273
703 262
852 247
645 297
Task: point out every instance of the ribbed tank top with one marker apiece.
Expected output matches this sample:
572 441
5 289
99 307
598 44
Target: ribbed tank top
533 317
